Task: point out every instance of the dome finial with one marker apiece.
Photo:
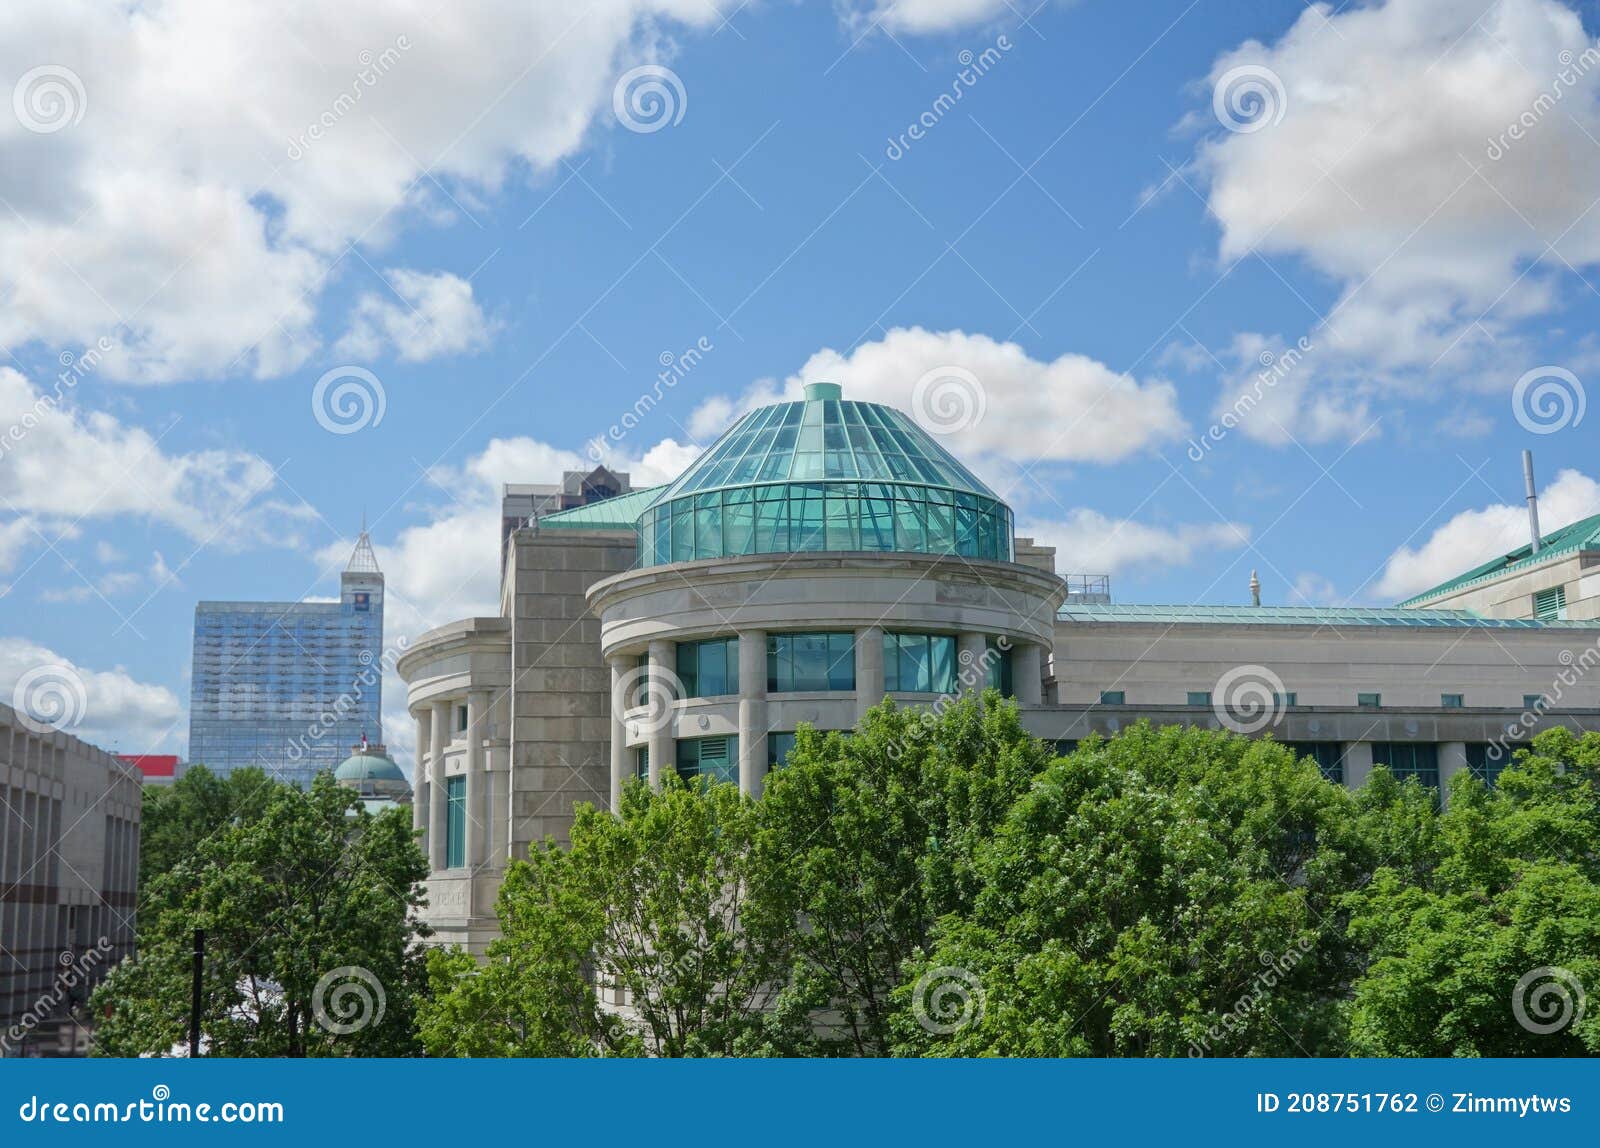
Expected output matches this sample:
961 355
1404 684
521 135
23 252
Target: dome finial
816 391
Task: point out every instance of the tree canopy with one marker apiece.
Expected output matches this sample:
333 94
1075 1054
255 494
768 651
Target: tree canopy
309 912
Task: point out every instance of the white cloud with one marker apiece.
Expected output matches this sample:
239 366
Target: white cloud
190 216
1387 174
985 399
428 315
109 708
61 461
1473 537
1088 542
1312 589
924 16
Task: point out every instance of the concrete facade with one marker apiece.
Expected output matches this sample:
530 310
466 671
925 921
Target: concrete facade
69 878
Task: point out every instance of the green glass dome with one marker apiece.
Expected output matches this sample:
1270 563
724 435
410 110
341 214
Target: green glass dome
826 474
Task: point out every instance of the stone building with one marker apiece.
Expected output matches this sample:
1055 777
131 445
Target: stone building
825 553
69 879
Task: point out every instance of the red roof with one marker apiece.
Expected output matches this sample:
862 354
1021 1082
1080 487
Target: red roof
153 764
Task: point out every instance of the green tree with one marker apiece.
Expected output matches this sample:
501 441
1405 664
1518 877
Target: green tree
868 840
1490 951
654 909
309 912
177 818
1168 892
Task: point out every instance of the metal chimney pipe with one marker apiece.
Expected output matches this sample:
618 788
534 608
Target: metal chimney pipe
1533 497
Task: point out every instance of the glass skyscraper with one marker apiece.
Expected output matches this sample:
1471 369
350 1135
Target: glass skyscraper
290 686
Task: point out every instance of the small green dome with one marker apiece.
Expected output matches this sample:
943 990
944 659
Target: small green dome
370 765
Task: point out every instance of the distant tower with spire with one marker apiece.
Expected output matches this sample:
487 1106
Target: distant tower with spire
361 594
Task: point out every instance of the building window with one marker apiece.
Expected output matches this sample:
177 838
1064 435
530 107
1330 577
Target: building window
714 757
998 669
1065 746
919 664
1198 699
1284 701
1550 605
778 747
1371 701
709 669
1418 759
1535 702
1487 761
811 662
461 719
641 763
1113 698
455 827
1453 701
1329 756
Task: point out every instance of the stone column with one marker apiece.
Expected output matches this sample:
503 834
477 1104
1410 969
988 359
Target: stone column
1452 760
970 653
663 673
1357 763
477 779
438 802
869 669
1027 673
620 682
752 711
419 777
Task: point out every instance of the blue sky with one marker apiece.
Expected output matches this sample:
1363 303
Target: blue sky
1079 247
